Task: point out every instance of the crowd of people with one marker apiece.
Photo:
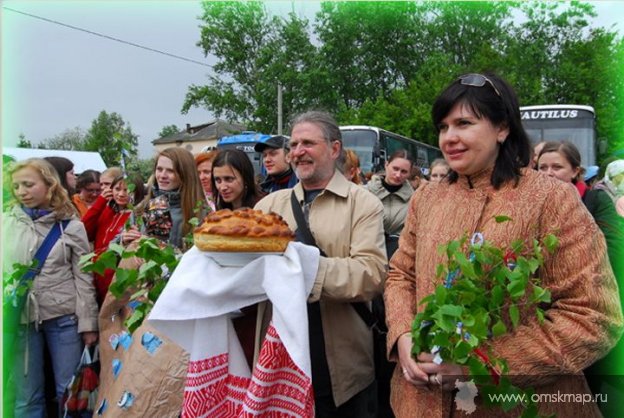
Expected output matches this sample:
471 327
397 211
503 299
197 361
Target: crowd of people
378 234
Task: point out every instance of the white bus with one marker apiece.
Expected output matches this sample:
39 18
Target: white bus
573 123
374 145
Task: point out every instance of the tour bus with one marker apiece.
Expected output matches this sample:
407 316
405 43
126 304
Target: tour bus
573 123
374 145
245 142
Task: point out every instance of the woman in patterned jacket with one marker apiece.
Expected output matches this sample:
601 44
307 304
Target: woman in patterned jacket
480 135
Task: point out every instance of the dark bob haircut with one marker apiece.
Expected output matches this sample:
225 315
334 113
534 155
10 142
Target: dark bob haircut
498 103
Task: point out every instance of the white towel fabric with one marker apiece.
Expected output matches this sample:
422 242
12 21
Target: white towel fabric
194 311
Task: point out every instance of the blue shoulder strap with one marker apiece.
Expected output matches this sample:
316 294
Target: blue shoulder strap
46 246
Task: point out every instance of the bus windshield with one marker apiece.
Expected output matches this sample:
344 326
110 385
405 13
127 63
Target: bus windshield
362 142
580 132
573 123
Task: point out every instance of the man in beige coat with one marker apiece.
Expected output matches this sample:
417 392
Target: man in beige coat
347 224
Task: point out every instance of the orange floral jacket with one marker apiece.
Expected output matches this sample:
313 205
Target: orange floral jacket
583 321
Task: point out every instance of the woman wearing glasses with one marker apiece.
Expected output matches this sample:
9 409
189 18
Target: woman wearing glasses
481 137
88 189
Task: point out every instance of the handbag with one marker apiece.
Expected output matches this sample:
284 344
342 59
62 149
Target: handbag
81 394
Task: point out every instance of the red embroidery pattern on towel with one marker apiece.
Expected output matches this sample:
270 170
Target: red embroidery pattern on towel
278 388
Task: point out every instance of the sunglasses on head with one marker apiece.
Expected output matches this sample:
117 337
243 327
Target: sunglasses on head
477 80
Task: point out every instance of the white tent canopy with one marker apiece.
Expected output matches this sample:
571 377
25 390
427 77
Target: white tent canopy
83 160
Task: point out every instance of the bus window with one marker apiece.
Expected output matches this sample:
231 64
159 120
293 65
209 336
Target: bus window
572 123
362 142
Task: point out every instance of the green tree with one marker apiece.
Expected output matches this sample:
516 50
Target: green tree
383 63
235 32
109 135
70 140
256 53
23 142
168 131
143 168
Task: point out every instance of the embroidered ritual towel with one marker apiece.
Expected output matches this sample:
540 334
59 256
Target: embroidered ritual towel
194 310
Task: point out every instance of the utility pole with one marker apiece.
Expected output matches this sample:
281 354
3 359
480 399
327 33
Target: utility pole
279 108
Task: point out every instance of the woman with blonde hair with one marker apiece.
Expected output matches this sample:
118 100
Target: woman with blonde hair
60 309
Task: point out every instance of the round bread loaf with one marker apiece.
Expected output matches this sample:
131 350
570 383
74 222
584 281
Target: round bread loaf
243 230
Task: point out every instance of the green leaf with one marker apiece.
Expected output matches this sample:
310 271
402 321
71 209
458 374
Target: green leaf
452 248
517 246
466 266
426 299
150 270
502 218
448 324
468 320
155 292
440 270
551 242
440 294
514 315
499 328
498 295
540 315
136 319
480 328
442 339
540 295
116 248
534 264
473 341
478 371
451 310
108 259
86 261
461 351
516 289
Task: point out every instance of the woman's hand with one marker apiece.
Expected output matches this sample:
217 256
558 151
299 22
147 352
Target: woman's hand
443 375
129 235
411 369
107 193
89 338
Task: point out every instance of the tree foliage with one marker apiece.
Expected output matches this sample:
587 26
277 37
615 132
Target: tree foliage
69 140
23 142
383 63
110 135
168 130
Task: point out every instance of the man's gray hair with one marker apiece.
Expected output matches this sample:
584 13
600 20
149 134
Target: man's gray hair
323 120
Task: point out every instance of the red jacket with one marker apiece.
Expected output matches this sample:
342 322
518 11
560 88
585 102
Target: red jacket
103 224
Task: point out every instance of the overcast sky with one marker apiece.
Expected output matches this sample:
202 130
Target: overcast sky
56 78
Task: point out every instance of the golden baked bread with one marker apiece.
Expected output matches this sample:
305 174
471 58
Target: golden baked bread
243 230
